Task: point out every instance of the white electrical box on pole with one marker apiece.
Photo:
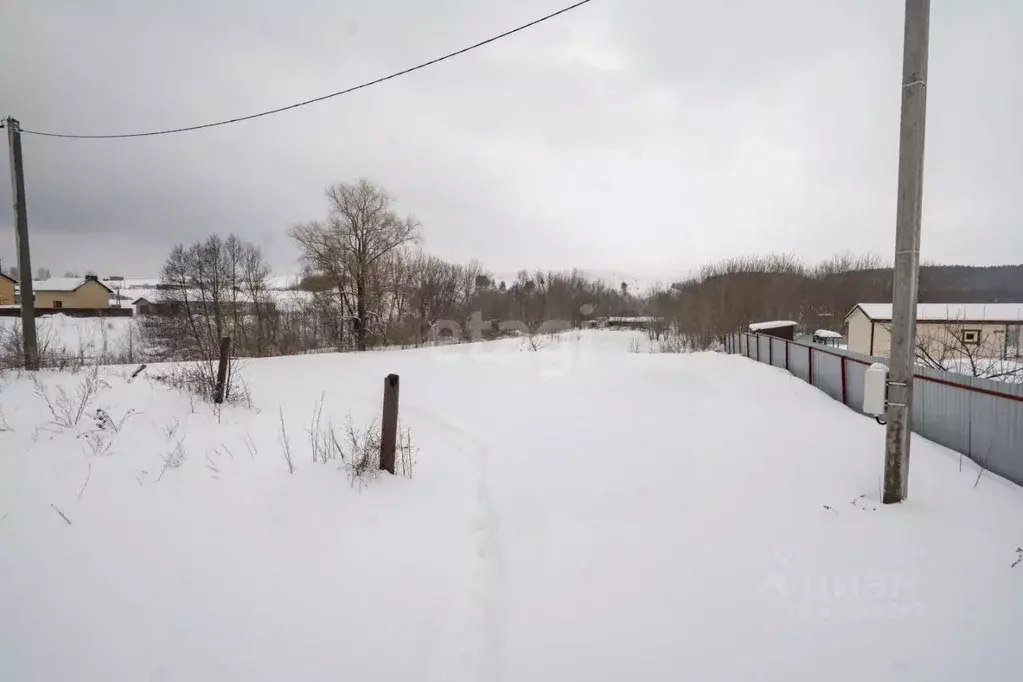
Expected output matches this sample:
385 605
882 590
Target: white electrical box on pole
907 251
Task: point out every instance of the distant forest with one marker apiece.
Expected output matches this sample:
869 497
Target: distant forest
370 284
729 295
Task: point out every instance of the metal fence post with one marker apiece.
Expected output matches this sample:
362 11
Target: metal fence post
809 363
786 356
844 401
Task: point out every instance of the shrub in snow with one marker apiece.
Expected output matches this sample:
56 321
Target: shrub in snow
357 450
104 422
286 444
97 443
67 410
173 458
200 379
665 340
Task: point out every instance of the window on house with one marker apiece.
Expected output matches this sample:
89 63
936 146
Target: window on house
58 304
971 336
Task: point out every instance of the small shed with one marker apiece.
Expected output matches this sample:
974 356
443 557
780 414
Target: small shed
143 306
645 322
827 337
781 329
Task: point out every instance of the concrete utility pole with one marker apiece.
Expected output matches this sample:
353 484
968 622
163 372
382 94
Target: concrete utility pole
907 251
28 308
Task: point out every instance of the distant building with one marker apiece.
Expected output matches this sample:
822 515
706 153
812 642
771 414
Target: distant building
80 293
992 328
633 322
144 306
826 337
781 329
7 289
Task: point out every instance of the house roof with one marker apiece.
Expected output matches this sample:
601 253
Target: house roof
948 312
774 324
633 319
2 275
64 284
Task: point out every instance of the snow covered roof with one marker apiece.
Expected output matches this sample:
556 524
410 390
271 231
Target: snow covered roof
633 319
62 284
941 312
827 334
774 324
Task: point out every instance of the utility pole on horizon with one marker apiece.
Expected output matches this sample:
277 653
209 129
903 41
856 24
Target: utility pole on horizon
907 251
28 308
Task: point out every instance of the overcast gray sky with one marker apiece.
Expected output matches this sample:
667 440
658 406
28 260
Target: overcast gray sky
645 136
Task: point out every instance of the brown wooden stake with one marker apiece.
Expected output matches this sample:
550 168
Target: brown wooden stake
389 424
844 401
225 357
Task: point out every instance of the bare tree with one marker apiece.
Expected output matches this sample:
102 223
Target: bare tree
209 290
361 229
42 273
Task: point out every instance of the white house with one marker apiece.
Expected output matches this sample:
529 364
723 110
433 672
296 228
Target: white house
993 328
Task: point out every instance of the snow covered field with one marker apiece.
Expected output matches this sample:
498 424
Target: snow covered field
90 337
578 513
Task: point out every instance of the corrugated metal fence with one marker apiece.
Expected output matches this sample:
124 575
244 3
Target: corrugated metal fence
981 418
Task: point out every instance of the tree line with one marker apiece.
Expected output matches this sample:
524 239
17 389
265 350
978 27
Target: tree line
368 283
42 273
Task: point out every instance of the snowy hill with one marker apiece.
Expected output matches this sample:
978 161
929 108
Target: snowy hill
577 513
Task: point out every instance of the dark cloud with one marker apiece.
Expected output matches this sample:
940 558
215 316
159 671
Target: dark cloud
631 134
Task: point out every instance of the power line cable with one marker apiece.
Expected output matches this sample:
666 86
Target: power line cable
346 91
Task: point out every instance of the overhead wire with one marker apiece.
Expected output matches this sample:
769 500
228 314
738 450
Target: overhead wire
296 105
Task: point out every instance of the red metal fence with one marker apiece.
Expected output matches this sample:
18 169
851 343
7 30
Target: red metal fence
981 418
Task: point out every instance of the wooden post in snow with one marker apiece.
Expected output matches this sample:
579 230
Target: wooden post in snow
389 424
225 358
844 401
